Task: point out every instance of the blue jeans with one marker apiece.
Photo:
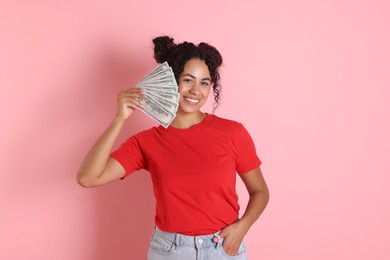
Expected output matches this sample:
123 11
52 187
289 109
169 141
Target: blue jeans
173 246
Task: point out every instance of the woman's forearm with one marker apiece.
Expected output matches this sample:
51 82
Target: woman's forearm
97 158
258 197
258 200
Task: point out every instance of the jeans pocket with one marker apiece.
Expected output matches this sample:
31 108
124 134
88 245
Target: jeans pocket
161 245
241 255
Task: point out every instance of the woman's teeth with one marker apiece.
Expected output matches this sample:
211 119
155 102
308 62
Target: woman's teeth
192 100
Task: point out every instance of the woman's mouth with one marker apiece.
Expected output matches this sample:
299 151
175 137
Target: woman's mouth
192 100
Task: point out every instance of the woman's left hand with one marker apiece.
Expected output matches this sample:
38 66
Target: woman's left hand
233 236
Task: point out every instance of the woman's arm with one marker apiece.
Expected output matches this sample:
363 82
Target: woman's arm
258 200
98 168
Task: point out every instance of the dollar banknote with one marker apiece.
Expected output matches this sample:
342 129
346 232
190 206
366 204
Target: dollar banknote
161 90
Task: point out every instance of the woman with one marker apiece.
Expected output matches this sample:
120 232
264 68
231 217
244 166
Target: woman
193 163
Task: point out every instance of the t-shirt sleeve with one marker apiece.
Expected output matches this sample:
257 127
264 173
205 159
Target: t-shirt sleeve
129 155
247 158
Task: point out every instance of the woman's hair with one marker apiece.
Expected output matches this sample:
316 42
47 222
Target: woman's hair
177 56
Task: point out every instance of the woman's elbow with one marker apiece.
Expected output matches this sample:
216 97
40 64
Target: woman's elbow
84 182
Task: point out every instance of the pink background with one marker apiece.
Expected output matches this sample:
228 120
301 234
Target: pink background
309 79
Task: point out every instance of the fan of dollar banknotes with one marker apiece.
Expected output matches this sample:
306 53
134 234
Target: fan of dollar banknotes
162 96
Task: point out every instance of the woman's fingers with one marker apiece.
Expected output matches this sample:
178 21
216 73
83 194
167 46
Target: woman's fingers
134 92
134 95
129 100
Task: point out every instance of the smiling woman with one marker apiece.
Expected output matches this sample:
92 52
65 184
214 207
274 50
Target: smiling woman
193 163
178 55
194 88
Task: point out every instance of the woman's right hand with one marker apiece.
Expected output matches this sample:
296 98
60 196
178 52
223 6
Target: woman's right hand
128 101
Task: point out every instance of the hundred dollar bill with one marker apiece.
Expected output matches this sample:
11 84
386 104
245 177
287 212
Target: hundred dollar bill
163 81
158 75
169 106
162 67
164 123
159 87
168 96
157 112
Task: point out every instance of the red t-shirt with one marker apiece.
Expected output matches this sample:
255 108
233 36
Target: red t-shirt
193 172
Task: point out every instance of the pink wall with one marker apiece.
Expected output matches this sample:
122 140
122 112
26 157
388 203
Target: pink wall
309 79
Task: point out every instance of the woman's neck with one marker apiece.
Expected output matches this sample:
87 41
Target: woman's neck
183 120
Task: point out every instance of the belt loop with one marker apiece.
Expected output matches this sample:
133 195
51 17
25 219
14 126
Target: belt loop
154 232
177 239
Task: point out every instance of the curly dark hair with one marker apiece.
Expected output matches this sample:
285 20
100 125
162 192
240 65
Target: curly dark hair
177 56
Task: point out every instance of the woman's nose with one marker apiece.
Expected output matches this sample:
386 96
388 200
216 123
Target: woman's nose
195 88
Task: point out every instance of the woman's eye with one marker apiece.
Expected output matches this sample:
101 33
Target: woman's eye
187 80
205 84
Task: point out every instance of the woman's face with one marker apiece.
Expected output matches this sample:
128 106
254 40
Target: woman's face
194 86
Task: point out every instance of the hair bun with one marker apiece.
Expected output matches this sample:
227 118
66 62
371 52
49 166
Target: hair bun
212 53
163 47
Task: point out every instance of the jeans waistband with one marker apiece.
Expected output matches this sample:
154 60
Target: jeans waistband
190 241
